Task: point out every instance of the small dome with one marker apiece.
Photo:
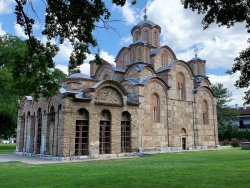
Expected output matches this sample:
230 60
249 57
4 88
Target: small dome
79 75
146 22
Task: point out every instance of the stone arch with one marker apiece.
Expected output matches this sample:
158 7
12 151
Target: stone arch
185 65
22 132
39 131
103 70
50 130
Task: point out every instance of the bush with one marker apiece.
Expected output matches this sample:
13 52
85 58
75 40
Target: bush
226 142
235 142
244 140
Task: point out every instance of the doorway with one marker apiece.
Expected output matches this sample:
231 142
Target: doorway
184 145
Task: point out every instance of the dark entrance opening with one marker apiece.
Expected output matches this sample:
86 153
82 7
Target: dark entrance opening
184 144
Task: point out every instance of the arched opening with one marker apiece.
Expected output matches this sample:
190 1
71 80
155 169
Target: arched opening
139 58
137 36
133 55
146 36
39 130
32 132
205 119
155 107
82 133
155 38
22 133
50 131
181 86
126 132
105 132
57 127
184 139
164 59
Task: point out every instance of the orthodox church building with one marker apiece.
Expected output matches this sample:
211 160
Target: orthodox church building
149 102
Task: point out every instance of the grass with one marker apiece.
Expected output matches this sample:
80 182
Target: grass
7 148
227 168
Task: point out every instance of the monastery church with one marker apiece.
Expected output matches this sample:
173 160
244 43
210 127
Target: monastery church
149 102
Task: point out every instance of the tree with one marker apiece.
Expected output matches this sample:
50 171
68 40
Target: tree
12 50
8 104
226 115
71 20
227 13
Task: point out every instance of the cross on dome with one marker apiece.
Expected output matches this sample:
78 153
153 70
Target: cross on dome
196 50
145 13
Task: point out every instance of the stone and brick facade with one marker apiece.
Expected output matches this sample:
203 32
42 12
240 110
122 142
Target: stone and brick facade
150 101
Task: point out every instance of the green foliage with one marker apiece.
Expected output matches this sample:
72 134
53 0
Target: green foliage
226 115
228 13
71 20
8 104
235 142
224 168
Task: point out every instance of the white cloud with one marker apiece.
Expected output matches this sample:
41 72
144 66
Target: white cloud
6 6
64 54
228 82
85 68
182 29
129 15
106 56
63 68
125 41
2 32
19 31
65 50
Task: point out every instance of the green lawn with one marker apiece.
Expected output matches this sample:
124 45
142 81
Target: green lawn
7 148
227 168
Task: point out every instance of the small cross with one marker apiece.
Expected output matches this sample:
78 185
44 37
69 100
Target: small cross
196 50
145 13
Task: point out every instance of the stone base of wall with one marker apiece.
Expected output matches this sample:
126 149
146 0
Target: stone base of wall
141 153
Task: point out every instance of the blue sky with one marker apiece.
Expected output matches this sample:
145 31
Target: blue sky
181 31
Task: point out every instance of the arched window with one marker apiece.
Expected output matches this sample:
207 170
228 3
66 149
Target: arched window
133 55
147 55
32 132
50 131
22 133
139 55
39 130
105 133
146 36
205 119
181 86
59 109
164 59
155 100
137 36
82 133
155 38
126 132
